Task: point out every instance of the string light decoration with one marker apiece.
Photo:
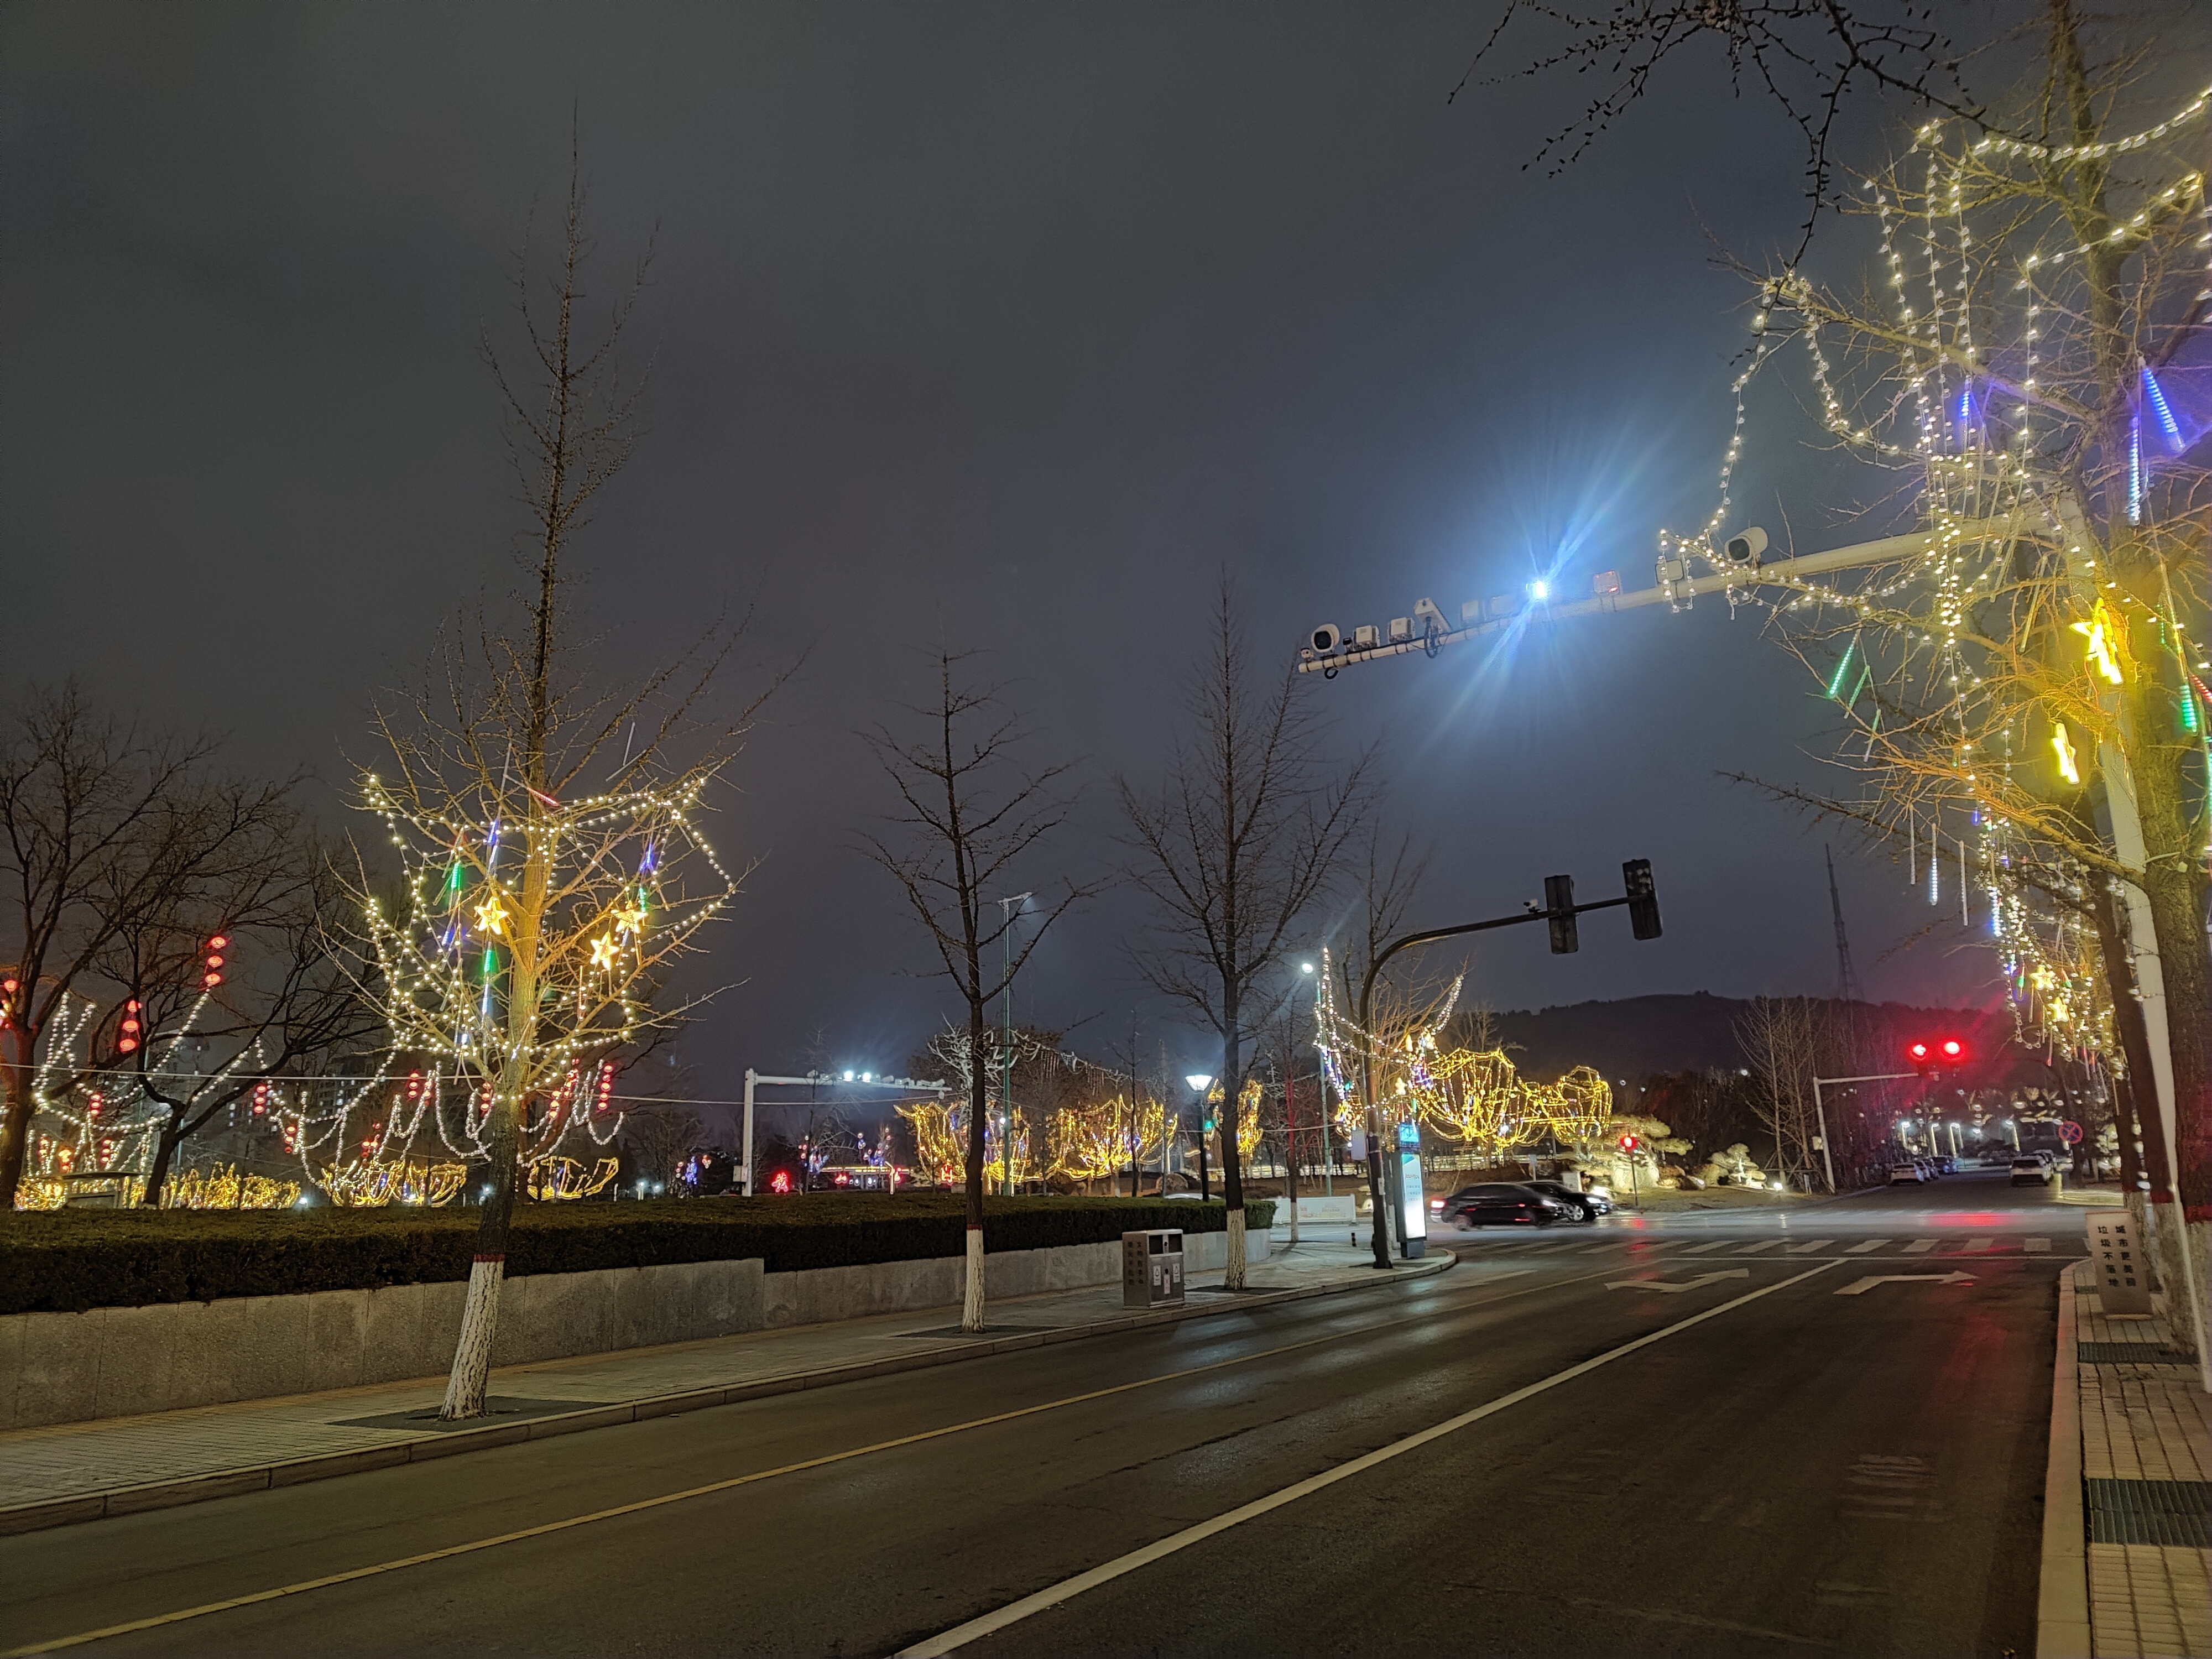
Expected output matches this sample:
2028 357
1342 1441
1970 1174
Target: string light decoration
1984 683
372 1185
551 1179
1248 1117
941 1139
226 1189
1091 1142
1475 1099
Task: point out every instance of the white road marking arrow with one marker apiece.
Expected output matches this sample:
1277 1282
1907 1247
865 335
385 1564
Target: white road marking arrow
1866 1284
1676 1290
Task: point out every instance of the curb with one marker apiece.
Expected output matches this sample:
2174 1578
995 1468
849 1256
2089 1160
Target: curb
2062 1601
298 1471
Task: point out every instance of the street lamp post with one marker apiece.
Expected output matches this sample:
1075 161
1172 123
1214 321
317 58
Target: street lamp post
1199 1082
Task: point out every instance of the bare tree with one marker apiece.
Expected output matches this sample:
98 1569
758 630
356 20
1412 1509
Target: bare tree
110 833
659 1139
973 817
290 996
1246 831
1807 56
1389 872
1780 1038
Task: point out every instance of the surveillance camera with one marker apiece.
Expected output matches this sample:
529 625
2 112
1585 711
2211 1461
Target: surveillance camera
1327 639
1366 637
1746 546
1427 615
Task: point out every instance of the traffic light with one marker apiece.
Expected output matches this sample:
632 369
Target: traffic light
1559 907
1930 1056
1643 898
132 1030
211 962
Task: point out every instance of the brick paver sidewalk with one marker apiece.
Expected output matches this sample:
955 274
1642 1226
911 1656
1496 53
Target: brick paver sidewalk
78 1471
2147 1483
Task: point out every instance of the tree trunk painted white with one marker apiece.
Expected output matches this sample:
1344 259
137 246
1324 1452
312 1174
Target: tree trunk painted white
971 1308
465 1388
1234 1279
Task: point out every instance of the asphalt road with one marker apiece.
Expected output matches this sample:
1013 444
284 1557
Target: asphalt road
1562 1459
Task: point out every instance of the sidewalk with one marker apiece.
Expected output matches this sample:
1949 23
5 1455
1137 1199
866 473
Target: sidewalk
114 1466
2127 1560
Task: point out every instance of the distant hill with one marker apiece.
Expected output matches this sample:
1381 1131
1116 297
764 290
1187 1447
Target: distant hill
1635 1037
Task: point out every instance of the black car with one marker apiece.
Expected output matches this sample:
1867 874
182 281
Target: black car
1501 1204
1586 1206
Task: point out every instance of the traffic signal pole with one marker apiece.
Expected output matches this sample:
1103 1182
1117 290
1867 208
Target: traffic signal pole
1643 916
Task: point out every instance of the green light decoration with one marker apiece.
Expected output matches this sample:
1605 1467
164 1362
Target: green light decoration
1836 684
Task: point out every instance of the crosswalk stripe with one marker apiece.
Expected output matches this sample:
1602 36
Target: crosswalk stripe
1808 1247
2038 1247
1764 1244
1871 1244
1920 1247
1979 1243
1702 1249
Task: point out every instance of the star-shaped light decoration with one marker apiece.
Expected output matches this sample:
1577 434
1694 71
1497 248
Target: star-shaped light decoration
491 914
603 951
629 918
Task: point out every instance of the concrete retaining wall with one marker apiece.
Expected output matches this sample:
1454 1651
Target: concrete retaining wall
122 1362
119 1361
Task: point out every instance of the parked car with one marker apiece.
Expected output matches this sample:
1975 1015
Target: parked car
1584 1206
1906 1175
1947 1165
1501 1204
2031 1171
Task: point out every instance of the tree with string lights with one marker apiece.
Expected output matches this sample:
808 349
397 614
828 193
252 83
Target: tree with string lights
552 869
2022 689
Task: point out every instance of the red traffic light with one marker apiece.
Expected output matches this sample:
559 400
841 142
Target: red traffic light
1930 1055
132 1029
211 962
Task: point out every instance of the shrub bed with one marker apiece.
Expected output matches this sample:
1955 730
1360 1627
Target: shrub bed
67 1262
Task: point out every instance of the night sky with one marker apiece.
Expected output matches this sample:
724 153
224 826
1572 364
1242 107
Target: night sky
1003 324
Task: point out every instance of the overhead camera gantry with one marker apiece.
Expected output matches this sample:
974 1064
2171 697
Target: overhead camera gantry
1742 563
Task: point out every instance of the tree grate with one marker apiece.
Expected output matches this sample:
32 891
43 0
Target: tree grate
2129 1353
2174 1512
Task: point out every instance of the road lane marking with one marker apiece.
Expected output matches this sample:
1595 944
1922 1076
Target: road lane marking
1977 1245
1871 1244
1764 1244
2037 1247
1702 1249
1677 1287
55 1644
1920 1247
1865 1284
1808 1247
1014 1612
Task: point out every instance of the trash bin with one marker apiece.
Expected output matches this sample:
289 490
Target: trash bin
1152 1268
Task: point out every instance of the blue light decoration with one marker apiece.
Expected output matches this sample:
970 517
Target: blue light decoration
2135 471
1966 411
2156 397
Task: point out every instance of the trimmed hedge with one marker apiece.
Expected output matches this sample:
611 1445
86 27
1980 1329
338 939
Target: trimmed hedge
69 1260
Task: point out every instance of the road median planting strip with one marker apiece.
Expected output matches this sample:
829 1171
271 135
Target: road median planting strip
292 1472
